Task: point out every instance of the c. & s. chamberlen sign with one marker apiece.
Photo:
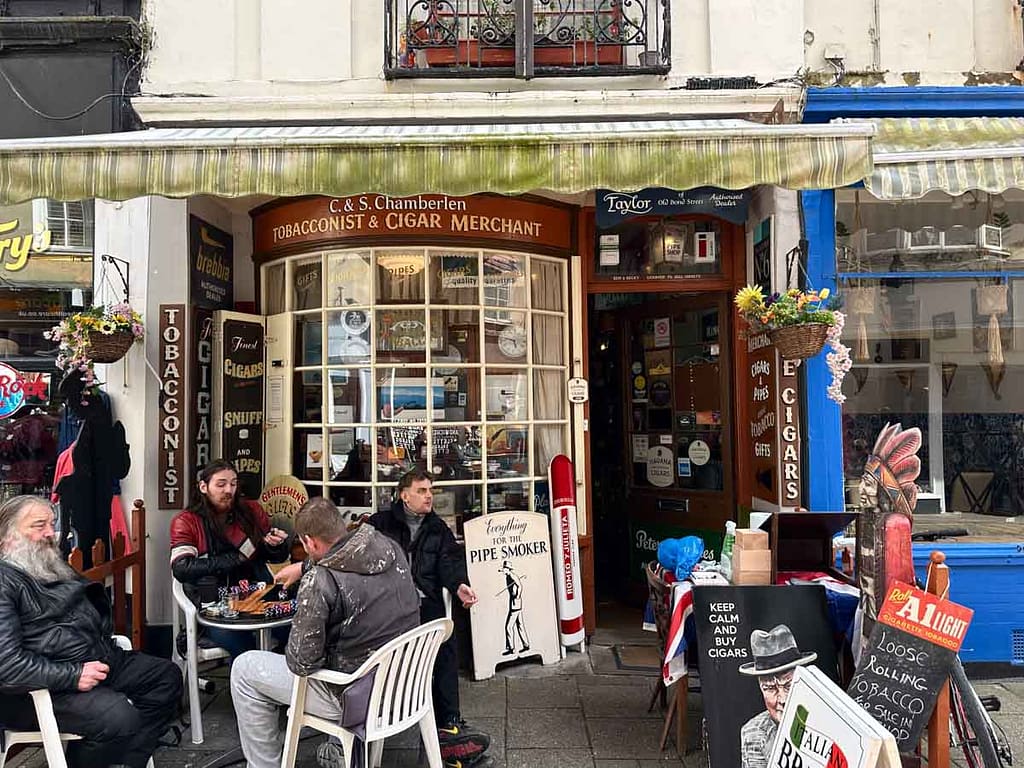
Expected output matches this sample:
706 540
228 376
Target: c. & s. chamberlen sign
485 217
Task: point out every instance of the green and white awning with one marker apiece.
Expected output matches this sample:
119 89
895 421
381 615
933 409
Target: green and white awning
455 160
914 156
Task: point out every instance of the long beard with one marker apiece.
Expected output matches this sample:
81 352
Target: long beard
39 559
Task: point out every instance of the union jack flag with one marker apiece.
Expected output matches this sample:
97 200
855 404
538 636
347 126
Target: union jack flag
675 646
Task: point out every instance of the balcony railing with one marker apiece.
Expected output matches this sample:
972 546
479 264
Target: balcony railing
526 38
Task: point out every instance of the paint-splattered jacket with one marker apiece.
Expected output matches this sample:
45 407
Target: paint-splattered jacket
355 599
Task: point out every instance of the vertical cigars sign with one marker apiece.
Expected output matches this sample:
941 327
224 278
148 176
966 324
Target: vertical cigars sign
172 382
242 415
774 410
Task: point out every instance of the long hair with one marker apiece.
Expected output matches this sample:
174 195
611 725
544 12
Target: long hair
239 510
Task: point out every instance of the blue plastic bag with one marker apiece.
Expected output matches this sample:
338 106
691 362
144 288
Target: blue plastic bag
680 555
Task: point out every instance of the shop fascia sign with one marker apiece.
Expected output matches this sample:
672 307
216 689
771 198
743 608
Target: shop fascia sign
18 389
15 249
613 207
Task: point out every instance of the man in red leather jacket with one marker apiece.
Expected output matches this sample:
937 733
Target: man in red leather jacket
221 539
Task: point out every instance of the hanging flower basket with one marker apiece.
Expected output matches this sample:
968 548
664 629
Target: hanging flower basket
109 348
798 342
101 334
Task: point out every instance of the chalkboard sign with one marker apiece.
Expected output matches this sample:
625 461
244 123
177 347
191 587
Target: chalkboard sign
907 660
242 402
750 641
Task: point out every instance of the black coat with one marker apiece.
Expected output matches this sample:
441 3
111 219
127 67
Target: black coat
48 631
437 559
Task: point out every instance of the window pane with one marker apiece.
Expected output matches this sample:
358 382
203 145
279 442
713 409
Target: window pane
400 276
309 339
505 337
306 284
400 449
550 440
307 397
457 336
546 283
349 455
507 394
664 249
549 396
348 279
456 453
508 497
348 336
354 499
402 336
455 277
273 289
403 396
461 393
504 280
548 342
308 458
349 396
507 451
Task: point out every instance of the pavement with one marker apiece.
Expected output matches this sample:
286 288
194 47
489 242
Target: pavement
584 712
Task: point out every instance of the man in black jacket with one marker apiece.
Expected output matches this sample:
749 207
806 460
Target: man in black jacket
55 633
438 562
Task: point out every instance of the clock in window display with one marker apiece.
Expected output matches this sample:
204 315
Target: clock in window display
512 341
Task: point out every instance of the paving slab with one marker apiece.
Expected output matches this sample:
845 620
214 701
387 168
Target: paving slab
544 693
619 701
486 698
546 728
549 758
625 737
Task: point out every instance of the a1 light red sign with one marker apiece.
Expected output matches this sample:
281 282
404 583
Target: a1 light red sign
18 389
926 616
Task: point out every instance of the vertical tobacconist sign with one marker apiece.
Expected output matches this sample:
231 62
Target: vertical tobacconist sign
210 256
774 423
172 380
242 402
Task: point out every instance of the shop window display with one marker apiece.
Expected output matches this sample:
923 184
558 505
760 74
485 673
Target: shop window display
933 290
451 360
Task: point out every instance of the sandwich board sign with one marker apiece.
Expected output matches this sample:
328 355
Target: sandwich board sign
508 556
822 727
908 659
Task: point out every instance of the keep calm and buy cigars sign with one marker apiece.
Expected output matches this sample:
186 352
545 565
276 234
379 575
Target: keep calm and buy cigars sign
487 217
508 555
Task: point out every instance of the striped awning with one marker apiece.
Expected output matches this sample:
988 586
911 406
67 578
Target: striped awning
454 160
914 156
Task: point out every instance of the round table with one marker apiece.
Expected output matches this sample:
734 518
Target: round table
246 624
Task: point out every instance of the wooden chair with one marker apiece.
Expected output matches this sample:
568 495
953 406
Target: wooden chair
401 697
661 600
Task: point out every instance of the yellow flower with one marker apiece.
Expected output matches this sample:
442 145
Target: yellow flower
107 327
749 299
824 293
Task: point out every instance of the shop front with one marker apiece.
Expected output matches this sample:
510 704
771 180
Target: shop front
422 298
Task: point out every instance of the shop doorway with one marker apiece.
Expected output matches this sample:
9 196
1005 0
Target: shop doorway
661 433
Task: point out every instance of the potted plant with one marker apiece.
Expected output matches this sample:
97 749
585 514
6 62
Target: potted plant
799 324
101 334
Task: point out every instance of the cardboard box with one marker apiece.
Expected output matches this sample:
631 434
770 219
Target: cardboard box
749 578
751 560
749 538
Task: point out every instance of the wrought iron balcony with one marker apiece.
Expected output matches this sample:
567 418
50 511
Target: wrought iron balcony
526 38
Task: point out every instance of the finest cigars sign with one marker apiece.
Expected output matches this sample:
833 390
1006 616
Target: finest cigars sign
242 401
484 217
172 475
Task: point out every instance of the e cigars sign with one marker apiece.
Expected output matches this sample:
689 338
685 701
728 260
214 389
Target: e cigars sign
908 659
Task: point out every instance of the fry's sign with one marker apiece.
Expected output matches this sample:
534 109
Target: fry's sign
15 249
18 389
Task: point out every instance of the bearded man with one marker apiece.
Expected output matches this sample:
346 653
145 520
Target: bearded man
55 633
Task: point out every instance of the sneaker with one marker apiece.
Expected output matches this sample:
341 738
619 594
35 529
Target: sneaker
330 755
460 742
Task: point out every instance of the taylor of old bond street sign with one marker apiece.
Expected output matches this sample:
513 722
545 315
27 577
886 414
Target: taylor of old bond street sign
318 219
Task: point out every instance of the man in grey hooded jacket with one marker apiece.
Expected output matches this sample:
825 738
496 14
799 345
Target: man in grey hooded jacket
357 595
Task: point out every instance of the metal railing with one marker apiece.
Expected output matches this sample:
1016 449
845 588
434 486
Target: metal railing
526 38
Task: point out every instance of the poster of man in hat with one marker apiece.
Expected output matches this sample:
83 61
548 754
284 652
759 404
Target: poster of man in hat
750 641
515 628
776 657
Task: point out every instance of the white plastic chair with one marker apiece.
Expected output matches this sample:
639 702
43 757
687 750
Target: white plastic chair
54 742
193 657
400 698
